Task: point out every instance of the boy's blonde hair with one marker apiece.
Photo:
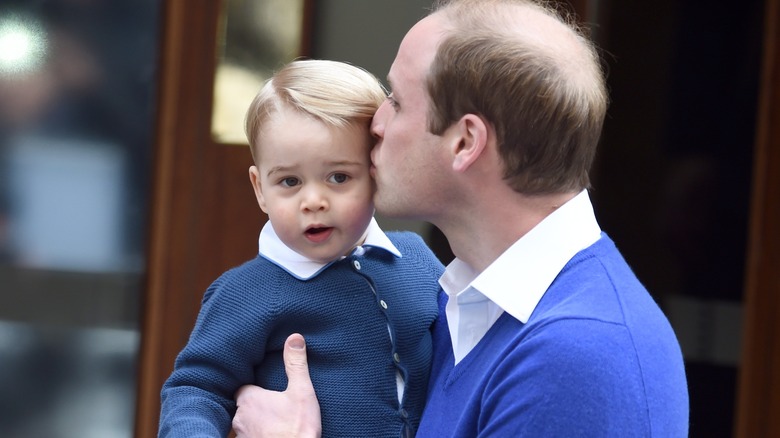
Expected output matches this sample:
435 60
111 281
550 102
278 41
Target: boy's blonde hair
335 93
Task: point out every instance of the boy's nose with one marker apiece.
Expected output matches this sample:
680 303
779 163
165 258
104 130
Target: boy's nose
314 200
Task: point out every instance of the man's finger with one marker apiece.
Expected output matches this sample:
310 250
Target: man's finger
294 412
296 364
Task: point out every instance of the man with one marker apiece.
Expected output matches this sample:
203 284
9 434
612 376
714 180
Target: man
489 133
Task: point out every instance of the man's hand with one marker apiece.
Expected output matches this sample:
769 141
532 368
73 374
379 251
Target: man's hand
271 414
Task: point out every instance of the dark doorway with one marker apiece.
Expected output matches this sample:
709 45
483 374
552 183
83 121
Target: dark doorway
672 180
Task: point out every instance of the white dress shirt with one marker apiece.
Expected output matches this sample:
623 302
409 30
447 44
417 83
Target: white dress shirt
301 267
516 281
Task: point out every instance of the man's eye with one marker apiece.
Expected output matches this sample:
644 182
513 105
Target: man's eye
338 178
290 181
391 100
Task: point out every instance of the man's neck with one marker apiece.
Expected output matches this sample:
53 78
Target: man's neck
480 236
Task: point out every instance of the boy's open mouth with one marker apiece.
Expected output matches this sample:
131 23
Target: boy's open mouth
318 234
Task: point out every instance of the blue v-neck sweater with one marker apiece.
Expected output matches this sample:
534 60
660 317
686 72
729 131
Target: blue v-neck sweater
597 358
364 318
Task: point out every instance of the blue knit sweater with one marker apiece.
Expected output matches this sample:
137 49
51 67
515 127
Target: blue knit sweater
364 318
597 358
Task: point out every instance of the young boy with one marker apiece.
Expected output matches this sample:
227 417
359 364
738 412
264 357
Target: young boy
364 300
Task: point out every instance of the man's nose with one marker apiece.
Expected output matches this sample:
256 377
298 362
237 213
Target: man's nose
378 122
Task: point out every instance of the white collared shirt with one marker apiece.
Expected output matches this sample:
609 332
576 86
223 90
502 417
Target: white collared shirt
516 281
303 268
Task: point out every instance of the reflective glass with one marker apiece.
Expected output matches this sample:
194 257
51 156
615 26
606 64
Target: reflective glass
77 87
256 38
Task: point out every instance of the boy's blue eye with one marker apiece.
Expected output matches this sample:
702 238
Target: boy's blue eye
290 181
339 178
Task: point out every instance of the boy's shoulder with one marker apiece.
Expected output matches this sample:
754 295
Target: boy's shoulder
414 249
410 244
405 237
258 265
253 273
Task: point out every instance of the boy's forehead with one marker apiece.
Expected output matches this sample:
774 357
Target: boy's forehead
302 143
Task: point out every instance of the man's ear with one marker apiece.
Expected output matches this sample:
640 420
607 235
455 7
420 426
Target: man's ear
472 137
254 178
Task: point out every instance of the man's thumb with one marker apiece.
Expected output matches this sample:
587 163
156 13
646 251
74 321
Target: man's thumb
296 364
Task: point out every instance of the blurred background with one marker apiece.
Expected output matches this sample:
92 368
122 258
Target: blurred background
77 105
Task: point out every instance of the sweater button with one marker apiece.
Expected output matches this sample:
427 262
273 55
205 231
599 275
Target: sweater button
356 264
396 358
404 413
383 304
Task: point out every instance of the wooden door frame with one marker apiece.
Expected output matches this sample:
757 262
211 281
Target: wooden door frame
758 400
200 189
179 220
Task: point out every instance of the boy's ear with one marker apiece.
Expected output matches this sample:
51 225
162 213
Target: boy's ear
254 178
471 141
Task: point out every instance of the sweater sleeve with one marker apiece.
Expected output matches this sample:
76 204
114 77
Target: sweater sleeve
197 399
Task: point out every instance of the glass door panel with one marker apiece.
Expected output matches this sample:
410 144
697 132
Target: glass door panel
77 87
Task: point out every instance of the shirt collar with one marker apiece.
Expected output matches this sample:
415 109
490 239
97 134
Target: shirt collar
271 247
518 279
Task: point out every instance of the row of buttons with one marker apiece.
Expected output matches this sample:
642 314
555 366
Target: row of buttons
382 303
